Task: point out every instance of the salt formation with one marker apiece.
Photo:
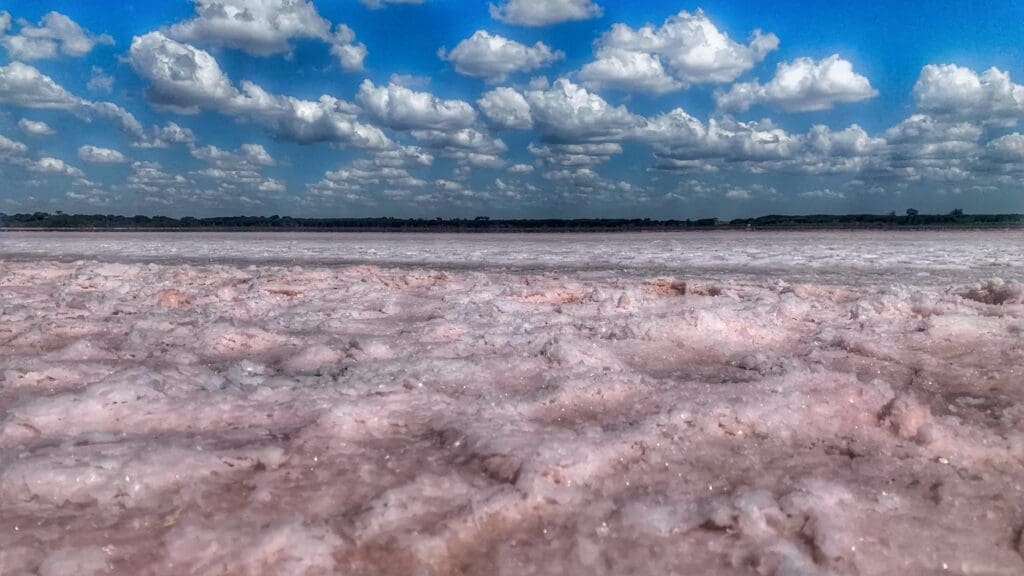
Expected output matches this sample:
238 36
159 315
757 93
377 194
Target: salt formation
233 417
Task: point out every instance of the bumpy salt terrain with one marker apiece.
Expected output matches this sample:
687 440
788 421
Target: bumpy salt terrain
789 404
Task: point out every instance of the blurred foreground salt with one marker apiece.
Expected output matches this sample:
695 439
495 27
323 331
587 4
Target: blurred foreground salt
755 404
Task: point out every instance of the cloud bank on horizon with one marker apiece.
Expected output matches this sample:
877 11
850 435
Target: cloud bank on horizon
514 108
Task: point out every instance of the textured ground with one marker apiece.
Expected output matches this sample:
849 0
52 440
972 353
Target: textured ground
672 414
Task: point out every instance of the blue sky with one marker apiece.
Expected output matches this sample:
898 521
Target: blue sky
526 108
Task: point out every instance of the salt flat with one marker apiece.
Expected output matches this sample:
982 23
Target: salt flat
715 403
856 257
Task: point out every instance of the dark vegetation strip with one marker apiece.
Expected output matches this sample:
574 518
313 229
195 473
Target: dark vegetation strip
912 219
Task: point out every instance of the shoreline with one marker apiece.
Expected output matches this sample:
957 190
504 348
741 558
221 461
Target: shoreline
553 230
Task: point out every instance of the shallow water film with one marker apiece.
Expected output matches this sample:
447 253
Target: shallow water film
721 403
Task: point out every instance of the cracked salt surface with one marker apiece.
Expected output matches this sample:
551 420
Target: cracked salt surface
774 403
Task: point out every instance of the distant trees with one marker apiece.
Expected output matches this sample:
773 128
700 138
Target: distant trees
43 220
912 218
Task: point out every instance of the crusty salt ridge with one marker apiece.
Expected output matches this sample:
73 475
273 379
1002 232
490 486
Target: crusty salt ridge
242 417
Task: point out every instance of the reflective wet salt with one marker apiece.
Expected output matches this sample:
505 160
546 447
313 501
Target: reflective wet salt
721 403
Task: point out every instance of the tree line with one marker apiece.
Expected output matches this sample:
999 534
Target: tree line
912 218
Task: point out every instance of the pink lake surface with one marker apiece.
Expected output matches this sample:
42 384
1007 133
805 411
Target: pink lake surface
796 403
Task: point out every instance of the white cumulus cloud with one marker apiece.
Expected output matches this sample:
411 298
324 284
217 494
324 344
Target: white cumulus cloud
631 70
55 35
265 27
165 136
494 57
948 90
566 112
1008 149
248 156
34 128
688 48
50 165
24 85
186 79
97 155
544 12
506 108
400 108
802 85
11 148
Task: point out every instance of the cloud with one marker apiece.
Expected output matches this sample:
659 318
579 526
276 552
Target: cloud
465 138
924 147
248 156
345 48
126 121
576 154
56 34
24 85
737 141
852 149
91 193
494 57
568 113
684 143
165 136
49 165
802 85
922 128
10 148
1008 149
257 154
544 12
823 194
267 27
506 108
182 78
851 141
400 108
447 126
259 28
565 113
33 128
100 81
686 49
378 4
388 168
578 176
467 146
410 80
157 186
273 186
150 178
238 170
951 91
398 157
696 189
626 69
96 155
186 79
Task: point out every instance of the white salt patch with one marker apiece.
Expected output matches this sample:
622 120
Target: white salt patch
79 561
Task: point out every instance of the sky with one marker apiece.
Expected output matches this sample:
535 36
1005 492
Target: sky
514 108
